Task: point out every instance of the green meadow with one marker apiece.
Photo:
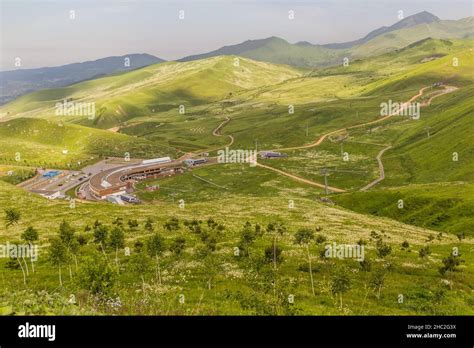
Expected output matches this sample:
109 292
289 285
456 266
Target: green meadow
236 239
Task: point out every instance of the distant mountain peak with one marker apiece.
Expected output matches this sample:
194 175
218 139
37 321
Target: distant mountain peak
423 17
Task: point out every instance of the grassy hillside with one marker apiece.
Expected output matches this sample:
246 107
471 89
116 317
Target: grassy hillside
154 89
214 280
446 207
200 262
446 29
386 39
40 142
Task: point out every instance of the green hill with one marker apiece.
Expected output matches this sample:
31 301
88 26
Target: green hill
411 29
154 89
56 144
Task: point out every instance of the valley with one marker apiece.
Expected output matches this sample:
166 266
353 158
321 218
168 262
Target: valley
237 237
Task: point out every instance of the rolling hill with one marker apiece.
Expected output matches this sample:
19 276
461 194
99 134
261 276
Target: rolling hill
304 54
235 205
155 89
411 21
15 83
56 144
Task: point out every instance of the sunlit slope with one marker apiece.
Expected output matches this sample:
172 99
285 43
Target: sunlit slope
446 29
447 154
423 62
38 142
156 88
446 207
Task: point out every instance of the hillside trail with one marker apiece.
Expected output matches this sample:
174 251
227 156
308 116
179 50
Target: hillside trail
381 170
447 89
217 133
300 179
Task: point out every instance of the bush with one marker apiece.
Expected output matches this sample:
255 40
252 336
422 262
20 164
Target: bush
425 251
96 276
366 265
269 254
178 245
450 263
383 249
320 239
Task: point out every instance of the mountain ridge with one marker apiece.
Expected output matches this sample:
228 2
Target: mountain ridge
21 81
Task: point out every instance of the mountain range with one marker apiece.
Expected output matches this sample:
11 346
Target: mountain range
385 39
15 83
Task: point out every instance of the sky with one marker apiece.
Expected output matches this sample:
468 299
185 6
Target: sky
42 32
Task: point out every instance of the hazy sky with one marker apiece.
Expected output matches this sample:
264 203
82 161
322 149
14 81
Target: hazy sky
42 33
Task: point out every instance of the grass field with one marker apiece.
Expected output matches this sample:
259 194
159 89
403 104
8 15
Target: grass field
210 255
233 283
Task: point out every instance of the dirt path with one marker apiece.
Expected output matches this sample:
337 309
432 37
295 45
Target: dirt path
323 137
447 89
217 132
381 170
300 179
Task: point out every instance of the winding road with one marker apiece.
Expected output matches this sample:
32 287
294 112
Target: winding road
381 170
447 89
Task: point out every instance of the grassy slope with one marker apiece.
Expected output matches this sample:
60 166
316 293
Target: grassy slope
448 29
415 277
443 206
41 143
412 276
155 88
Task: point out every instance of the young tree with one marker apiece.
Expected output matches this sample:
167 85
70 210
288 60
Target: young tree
100 236
383 249
12 217
132 224
424 251
149 225
378 281
67 236
117 241
66 232
30 235
277 230
303 237
247 238
172 224
273 254
340 284
95 275
450 263
178 245
118 221
14 259
211 264
155 246
58 255
140 263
